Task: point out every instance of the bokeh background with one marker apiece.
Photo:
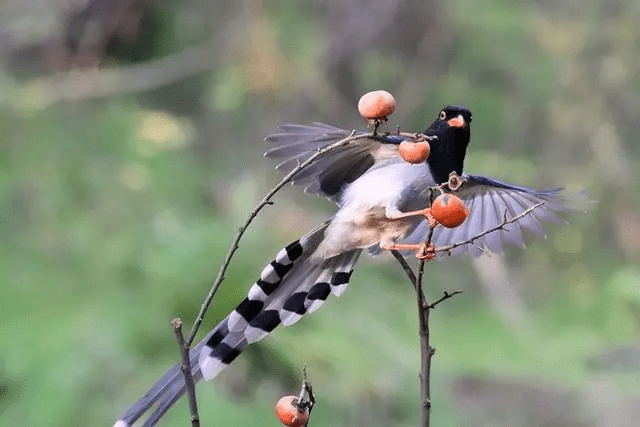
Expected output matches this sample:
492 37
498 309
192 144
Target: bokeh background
131 140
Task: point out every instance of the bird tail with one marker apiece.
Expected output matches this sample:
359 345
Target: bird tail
295 283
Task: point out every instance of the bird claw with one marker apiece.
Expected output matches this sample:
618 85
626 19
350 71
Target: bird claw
426 252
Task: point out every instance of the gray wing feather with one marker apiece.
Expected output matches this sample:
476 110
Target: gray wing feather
489 202
331 173
490 213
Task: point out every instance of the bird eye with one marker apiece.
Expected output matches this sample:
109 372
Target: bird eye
443 115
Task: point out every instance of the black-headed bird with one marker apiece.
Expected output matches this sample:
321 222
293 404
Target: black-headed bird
381 202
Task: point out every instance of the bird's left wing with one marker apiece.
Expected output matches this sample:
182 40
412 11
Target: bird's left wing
332 172
490 202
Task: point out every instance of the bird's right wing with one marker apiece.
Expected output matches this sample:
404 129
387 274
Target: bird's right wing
490 202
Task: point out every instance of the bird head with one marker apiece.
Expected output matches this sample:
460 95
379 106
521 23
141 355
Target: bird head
452 128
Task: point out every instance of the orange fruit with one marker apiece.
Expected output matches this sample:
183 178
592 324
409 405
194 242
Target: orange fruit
414 152
449 210
376 105
290 414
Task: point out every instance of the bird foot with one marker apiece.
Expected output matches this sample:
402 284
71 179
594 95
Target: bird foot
426 252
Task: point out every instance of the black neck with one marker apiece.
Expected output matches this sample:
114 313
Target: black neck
448 152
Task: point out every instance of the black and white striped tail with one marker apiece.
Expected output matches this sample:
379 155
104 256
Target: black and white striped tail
293 284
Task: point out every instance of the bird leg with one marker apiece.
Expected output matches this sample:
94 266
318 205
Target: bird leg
426 212
424 251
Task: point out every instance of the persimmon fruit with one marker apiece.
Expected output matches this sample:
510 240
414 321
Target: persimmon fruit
376 105
290 414
449 210
414 152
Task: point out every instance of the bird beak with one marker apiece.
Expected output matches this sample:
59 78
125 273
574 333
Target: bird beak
456 122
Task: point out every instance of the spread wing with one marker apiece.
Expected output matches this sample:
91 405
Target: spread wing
331 173
489 202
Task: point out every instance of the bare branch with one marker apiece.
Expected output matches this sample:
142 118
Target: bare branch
424 306
185 367
426 351
491 230
444 297
306 399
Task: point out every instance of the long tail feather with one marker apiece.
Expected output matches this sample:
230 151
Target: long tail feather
293 284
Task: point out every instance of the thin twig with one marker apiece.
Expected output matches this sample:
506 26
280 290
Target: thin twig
312 400
501 226
265 201
306 399
446 295
185 367
303 387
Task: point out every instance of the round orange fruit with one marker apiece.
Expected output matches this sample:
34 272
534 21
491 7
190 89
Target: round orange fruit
290 414
414 152
376 105
449 210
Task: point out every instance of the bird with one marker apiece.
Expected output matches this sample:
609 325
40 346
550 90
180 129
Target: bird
381 203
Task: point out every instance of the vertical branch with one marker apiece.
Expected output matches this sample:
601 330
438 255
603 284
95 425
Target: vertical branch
185 367
426 351
424 307
306 391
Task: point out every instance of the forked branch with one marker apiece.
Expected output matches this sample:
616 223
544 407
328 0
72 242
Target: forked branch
424 306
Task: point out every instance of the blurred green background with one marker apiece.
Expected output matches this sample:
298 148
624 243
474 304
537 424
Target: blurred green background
130 151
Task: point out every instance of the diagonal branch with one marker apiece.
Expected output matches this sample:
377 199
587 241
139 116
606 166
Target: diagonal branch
446 295
500 226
